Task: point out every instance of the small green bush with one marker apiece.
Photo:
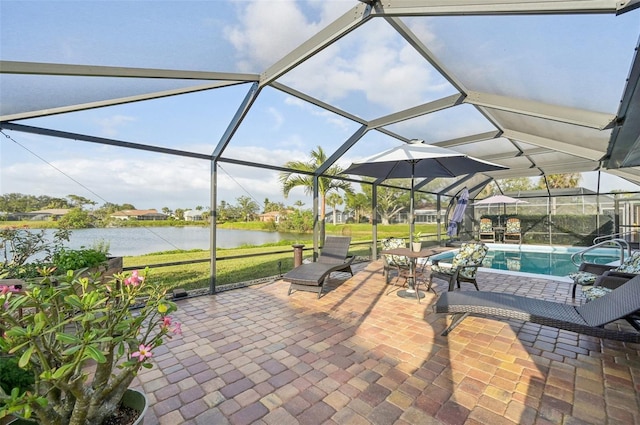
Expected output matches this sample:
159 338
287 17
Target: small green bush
75 259
12 376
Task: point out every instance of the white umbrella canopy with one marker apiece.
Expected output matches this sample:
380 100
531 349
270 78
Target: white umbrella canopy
418 159
500 199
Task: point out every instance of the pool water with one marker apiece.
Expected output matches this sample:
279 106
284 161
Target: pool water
545 260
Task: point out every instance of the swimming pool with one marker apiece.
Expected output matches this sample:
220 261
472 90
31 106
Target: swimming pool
538 259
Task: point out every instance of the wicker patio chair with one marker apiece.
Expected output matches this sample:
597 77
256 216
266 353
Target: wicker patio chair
589 318
486 232
312 276
588 272
464 265
606 283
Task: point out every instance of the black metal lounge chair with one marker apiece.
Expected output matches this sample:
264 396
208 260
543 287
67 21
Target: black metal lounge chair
333 257
590 318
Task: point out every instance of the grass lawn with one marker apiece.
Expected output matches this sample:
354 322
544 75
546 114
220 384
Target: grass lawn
249 266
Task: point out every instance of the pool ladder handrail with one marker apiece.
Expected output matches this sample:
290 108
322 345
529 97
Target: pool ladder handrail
618 242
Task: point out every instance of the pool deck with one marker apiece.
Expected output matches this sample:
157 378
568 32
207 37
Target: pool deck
361 355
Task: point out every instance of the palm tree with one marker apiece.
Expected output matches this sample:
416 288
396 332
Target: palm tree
334 200
326 185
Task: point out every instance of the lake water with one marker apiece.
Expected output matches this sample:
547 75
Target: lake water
127 241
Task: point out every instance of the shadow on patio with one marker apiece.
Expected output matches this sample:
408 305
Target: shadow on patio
359 356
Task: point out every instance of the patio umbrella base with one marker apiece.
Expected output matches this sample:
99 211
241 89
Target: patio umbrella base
410 293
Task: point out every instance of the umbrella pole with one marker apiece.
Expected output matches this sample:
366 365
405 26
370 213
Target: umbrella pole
411 219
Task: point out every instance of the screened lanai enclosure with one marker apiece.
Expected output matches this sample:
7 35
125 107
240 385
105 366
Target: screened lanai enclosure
184 102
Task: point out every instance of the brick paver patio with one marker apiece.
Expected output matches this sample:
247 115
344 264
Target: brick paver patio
361 356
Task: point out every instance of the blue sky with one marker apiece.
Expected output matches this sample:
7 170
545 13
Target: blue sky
248 36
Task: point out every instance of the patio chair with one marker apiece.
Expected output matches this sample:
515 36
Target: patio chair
605 283
589 319
464 266
512 231
396 262
485 231
312 276
588 272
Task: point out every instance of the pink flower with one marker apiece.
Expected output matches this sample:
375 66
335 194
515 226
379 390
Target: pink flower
144 352
4 289
134 279
177 329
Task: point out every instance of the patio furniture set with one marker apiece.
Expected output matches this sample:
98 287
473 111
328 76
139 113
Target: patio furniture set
612 293
511 232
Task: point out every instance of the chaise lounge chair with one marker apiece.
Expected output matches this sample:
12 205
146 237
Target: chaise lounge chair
590 318
333 258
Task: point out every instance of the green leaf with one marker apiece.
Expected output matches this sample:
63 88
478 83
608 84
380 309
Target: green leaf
16 332
67 339
74 300
61 371
71 350
95 354
26 356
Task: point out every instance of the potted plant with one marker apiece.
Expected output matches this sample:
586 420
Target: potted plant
416 241
83 341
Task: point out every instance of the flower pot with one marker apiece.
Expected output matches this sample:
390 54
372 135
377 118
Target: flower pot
132 398
416 246
138 401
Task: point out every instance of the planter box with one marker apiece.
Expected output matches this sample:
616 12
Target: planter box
107 269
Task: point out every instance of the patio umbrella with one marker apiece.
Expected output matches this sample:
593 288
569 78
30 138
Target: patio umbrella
458 212
500 199
417 159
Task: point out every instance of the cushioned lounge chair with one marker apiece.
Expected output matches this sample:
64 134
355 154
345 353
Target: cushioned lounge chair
333 258
588 273
590 318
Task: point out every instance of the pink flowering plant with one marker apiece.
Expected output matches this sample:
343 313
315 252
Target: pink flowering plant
84 342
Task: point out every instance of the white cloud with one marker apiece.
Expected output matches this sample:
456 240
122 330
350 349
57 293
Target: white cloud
373 63
261 38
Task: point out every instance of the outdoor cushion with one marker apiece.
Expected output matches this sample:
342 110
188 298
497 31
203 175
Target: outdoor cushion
464 266
485 232
512 231
593 292
470 254
486 226
395 260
